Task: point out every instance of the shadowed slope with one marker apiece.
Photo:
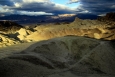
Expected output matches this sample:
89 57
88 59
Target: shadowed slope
9 27
77 55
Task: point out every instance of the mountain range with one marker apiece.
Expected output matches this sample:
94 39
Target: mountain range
25 19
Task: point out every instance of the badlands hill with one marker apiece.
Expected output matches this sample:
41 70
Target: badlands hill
109 17
68 56
89 28
102 28
9 27
78 49
8 35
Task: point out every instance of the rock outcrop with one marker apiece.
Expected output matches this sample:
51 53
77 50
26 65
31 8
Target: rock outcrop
8 35
7 41
9 27
22 33
108 17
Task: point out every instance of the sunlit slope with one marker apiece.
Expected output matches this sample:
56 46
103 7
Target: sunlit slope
12 33
89 28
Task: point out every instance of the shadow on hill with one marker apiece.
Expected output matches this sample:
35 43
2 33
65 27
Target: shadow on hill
70 53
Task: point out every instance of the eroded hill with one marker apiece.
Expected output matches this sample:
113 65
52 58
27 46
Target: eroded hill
61 50
89 28
68 56
102 28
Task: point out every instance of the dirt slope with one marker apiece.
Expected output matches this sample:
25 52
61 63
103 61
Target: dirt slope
65 56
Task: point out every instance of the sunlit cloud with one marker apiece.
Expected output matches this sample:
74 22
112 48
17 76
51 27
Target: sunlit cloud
33 13
72 1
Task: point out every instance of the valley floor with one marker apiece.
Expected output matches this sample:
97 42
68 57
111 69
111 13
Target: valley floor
8 51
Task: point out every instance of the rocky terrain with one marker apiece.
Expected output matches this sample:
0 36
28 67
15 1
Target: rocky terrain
102 28
78 49
9 27
89 28
109 17
68 56
8 35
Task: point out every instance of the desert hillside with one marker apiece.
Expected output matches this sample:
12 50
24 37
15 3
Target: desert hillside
83 48
89 28
9 27
102 28
68 56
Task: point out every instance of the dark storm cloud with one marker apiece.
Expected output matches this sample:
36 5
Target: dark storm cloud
98 6
33 6
6 2
48 7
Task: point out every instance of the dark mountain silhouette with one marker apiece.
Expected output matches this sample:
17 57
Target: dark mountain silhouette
24 19
87 16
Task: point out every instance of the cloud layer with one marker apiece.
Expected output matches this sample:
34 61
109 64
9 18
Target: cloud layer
33 7
96 6
48 7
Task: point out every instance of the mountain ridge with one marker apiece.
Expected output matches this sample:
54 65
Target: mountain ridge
25 19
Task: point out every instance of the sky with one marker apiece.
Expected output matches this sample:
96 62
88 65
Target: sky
55 7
